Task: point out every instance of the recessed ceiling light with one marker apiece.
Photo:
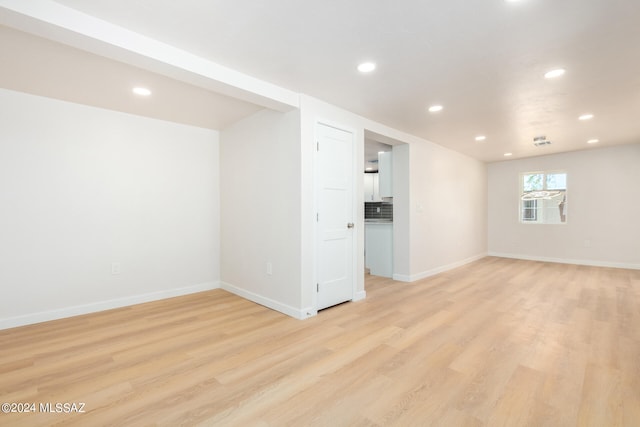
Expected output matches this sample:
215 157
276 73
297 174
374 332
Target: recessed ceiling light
366 67
435 108
480 138
508 154
554 73
586 117
142 91
593 141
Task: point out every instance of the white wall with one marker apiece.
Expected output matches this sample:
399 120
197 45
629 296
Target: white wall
448 209
603 209
260 217
82 187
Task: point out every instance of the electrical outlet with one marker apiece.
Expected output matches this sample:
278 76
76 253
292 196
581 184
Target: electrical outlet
269 269
116 268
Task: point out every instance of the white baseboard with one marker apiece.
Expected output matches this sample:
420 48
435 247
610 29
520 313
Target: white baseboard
568 261
360 295
438 270
268 302
77 310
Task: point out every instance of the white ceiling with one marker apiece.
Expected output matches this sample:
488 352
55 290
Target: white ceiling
484 61
39 66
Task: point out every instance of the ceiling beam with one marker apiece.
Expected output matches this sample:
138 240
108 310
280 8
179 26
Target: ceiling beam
65 25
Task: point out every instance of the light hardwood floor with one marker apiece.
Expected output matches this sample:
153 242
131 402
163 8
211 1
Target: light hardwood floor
495 343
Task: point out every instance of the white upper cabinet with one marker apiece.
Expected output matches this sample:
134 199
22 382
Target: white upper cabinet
371 188
385 174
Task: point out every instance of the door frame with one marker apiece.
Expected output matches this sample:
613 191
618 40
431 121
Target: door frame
358 231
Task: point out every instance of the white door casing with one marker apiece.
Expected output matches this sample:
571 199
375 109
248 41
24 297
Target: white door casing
335 216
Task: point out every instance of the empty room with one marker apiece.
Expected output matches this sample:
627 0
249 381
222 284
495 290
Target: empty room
296 213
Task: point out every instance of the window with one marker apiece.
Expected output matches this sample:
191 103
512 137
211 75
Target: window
530 210
543 198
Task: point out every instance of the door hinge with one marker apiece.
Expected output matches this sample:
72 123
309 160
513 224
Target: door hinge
317 287
317 145
317 217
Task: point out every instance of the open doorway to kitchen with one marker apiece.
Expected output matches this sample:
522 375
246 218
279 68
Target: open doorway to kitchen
386 206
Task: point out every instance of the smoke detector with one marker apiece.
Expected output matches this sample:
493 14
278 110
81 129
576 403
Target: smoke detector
541 140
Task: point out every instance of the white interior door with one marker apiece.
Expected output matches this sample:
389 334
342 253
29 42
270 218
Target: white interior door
335 219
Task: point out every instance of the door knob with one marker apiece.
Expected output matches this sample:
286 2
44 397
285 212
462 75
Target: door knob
350 225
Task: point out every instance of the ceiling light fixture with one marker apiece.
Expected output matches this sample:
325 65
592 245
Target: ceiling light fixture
593 141
142 91
508 154
585 117
480 138
366 67
435 108
554 73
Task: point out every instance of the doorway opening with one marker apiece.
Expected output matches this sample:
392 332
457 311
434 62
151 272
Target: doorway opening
386 206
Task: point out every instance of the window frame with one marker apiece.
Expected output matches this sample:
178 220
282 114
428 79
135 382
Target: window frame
540 216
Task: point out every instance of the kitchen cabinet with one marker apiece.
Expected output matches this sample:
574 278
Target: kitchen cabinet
371 188
379 185
379 248
385 173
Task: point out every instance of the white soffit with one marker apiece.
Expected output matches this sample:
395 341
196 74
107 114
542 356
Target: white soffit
39 66
71 27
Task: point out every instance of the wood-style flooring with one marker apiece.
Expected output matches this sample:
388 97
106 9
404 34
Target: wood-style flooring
498 342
